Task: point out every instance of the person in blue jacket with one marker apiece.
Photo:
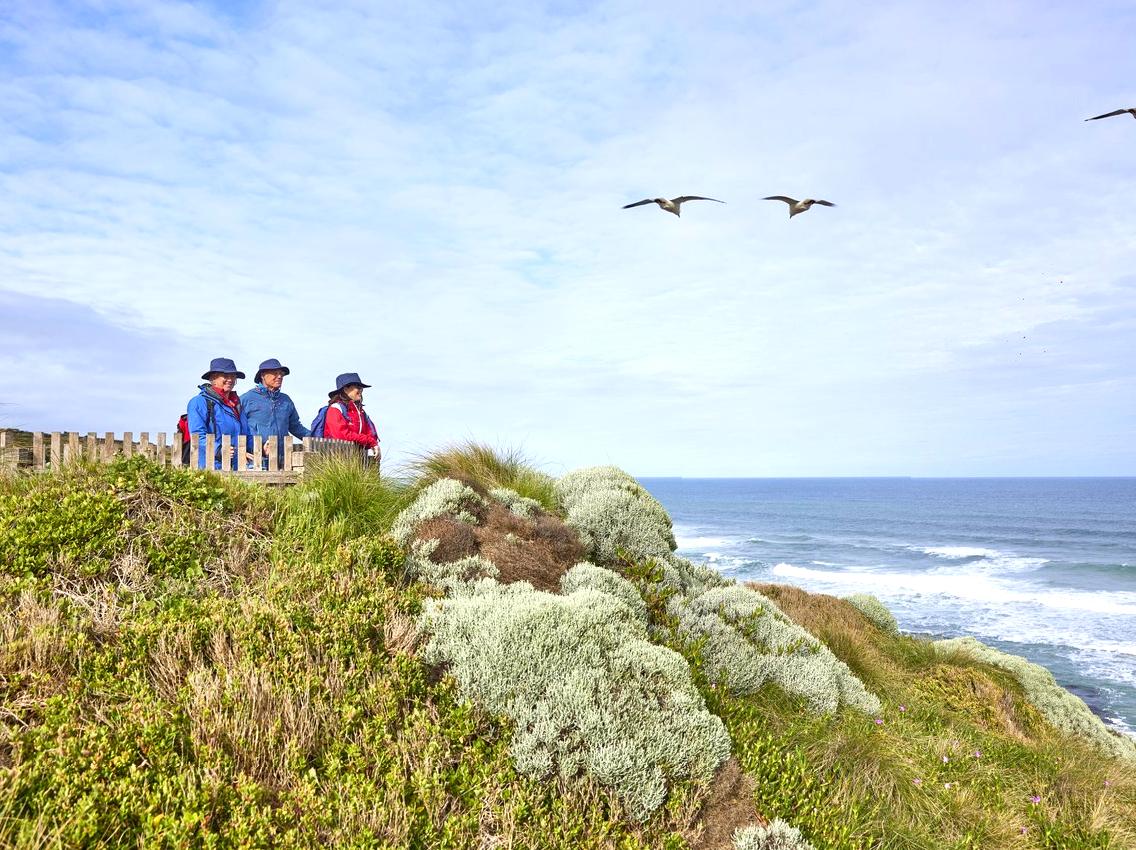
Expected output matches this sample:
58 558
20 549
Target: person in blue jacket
216 409
269 411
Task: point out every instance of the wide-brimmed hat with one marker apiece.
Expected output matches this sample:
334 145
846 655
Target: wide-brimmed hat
346 380
270 363
222 364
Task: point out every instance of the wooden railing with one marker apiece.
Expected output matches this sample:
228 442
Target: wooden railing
41 452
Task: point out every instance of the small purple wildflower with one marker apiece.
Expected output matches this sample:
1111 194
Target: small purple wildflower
978 754
879 721
903 708
1035 799
1024 830
917 781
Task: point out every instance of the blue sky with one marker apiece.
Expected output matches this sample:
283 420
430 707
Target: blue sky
430 194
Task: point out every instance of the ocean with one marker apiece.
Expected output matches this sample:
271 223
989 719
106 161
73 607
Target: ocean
1042 568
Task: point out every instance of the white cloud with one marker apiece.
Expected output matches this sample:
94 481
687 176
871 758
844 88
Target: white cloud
431 195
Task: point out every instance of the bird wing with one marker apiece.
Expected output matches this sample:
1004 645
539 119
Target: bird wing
684 198
640 203
826 203
1108 114
780 198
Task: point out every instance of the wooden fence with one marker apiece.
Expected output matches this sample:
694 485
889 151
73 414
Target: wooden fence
41 452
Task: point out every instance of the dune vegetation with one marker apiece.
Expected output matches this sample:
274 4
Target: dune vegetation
477 655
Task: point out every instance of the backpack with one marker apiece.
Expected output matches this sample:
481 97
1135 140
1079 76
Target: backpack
183 429
321 418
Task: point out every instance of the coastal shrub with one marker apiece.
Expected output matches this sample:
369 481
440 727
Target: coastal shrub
52 525
420 567
747 641
874 610
586 690
446 497
1066 712
476 463
777 835
520 505
80 523
613 512
586 575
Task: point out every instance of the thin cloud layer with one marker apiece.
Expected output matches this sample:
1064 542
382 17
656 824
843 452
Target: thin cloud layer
431 196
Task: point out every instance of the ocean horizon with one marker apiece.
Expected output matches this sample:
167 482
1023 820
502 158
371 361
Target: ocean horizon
1039 566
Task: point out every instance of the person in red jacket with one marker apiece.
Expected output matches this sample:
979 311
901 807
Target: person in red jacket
346 419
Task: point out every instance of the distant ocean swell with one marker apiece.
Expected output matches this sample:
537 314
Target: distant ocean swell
944 590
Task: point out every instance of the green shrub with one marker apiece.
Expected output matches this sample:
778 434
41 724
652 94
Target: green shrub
53 525
874 610
585 689
777 835
1065 711
747 641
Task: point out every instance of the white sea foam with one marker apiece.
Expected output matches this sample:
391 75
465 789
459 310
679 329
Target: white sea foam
694 543
984 589
981 558
957 552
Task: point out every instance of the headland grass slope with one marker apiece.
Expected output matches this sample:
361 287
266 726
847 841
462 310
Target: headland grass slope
480 656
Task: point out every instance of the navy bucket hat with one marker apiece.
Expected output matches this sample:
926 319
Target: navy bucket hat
346 380
222 364
270 363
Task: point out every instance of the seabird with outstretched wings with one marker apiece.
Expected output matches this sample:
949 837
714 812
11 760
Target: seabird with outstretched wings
1130 111
796 206
672 206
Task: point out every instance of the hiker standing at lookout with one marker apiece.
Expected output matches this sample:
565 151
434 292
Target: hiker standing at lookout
269 411
216 410
346 419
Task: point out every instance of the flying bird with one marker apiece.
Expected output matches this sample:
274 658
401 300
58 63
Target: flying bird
672 206
796 206
1129 111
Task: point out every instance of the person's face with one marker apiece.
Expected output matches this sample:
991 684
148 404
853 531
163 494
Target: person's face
272 378
223 382
353 392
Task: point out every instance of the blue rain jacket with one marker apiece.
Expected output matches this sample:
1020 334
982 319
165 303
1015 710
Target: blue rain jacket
271 413
223 421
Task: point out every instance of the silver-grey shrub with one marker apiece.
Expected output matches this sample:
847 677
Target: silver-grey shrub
586 575
748 641
585 688
1066 712
610 511
421 567
777 835
874 610
520 505
445 497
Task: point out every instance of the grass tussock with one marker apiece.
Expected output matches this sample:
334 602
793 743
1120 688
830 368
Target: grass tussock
486 468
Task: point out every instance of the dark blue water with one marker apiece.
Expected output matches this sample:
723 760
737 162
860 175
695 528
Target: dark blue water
1043 568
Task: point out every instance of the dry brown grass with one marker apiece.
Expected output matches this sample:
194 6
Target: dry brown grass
538 550
727 807
263 721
